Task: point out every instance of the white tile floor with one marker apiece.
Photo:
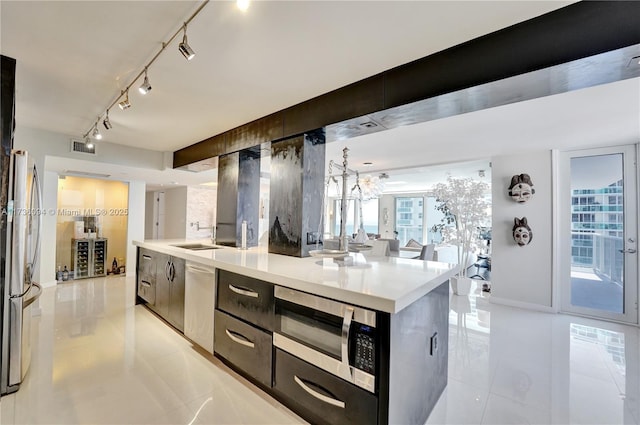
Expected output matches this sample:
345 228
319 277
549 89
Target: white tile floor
100 359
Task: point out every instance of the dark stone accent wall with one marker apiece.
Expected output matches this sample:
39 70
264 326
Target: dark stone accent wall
238 197
296 190
248 195
573 32
227 203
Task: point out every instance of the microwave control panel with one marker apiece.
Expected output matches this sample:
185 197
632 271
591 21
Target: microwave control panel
365 349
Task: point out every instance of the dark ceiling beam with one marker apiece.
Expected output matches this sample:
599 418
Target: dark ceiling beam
574 32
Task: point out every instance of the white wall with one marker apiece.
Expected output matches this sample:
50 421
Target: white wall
40 144
175 201
522 275
386 230
135 224
43 143
149 214
47 273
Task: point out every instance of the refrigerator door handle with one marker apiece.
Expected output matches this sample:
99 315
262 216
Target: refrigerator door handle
38 211
26 303
25 292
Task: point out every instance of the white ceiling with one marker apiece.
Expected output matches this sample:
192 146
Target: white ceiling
74 57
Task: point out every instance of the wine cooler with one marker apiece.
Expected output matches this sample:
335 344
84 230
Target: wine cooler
89 258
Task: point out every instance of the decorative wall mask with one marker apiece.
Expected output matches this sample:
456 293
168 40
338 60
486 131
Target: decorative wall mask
522 233
521 188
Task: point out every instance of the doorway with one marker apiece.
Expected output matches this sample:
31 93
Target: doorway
599 233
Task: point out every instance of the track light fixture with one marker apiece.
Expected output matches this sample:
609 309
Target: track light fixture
96 133
88 143
145 87
106 122
123 98
184 47
125 104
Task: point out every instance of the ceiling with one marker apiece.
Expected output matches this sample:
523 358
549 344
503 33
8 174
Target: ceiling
73 58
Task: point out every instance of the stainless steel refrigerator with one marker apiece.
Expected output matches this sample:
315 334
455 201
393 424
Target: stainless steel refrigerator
21 258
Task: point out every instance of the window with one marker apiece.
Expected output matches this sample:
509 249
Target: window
409 215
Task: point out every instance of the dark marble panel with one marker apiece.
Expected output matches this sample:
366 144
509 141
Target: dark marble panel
248 195
285 203
312 189
417 371
296 190
227 203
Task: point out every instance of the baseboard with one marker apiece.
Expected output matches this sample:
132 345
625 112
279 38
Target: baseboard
521 304
49 284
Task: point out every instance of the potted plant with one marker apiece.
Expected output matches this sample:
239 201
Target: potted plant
463 203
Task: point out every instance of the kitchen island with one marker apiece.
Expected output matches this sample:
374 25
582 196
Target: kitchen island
364 343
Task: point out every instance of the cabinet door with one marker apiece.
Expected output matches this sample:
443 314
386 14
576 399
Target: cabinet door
162 285
321 397
247 298
247 347
176 293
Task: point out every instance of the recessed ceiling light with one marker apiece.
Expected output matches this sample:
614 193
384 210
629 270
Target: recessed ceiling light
243 4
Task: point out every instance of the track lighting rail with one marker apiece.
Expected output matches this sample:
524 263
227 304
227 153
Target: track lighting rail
144 70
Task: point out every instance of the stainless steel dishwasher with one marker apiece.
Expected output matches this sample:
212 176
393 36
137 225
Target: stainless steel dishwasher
199 303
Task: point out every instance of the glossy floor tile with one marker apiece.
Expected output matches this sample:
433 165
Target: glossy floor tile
99 359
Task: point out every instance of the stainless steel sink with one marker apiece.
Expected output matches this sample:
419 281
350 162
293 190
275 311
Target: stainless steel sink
196 246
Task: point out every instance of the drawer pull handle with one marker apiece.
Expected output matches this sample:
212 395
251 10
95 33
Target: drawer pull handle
243 291
146 257
145 283
321 397
232 336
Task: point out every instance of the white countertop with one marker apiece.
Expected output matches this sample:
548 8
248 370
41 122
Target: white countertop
386 284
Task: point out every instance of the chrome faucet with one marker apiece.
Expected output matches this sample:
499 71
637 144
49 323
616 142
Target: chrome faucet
213 230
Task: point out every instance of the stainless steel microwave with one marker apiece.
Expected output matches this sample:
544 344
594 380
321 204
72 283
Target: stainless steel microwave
336 337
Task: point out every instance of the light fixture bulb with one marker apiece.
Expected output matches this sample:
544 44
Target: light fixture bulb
106 122
243 4
125 104
145 87
184 47
96 133
88 143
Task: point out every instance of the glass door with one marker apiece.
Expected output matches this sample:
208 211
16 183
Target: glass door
599 268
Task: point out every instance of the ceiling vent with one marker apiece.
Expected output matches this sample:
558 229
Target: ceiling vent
82 147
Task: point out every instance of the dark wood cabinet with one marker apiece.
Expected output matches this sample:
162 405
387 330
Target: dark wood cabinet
319 396
246 298
245 346
160 285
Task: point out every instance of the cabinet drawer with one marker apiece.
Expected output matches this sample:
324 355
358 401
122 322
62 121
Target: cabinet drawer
321 397
146 289
248 348
247 298
146 265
